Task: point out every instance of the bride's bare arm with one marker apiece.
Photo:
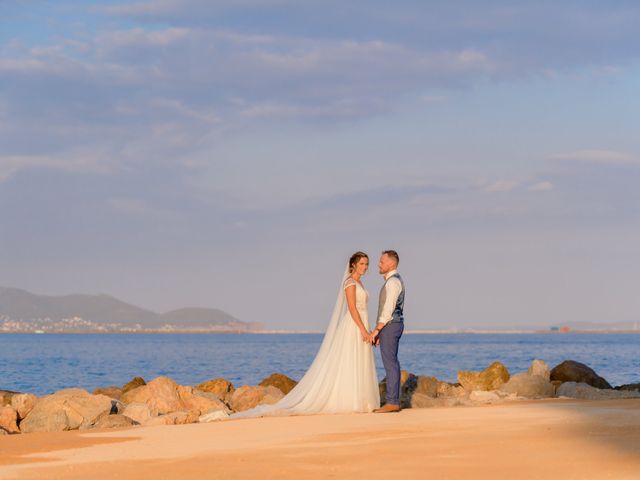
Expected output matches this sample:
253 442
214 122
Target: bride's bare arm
350 293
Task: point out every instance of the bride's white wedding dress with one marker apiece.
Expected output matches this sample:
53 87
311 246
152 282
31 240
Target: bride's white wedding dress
342 377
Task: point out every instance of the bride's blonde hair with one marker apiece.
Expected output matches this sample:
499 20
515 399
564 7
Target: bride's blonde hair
355 258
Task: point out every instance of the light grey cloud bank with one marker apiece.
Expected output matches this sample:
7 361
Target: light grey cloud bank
232 154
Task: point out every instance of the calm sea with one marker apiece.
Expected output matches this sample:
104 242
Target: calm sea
44 363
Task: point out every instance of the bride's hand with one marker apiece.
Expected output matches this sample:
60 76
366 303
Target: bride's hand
366 336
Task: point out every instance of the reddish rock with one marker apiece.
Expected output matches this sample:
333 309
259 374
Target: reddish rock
247 397
67 409
135 382
9 419
220 387
115 421
491 378
23 403
280 381
112 392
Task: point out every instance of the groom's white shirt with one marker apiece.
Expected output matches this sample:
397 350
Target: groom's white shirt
388 297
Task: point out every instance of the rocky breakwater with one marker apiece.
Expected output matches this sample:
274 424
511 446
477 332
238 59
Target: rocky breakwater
161 401
495 384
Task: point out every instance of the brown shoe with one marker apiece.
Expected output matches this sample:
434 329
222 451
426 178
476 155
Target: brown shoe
387 408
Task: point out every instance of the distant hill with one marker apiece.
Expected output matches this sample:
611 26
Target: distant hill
99 312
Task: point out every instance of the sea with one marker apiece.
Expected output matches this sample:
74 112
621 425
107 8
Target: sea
44 363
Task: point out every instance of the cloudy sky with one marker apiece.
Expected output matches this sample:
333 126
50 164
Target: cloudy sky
232 154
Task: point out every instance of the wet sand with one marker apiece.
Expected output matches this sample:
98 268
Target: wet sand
564 439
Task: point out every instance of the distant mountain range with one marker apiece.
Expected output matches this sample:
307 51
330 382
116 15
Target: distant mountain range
24 311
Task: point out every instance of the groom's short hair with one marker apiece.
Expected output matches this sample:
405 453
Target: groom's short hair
393 254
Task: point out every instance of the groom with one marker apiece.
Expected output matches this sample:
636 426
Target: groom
390 327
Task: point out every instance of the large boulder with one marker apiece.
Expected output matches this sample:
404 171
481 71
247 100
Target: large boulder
9 419
23 403
67 409
427 386
135 382
247 397
5 397
572 371
138 412
220 387
587 392
280 381
112 392
200 402
529 386
540 368
491 378
115 421
160 394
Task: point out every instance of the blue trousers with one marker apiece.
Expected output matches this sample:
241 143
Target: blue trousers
389 340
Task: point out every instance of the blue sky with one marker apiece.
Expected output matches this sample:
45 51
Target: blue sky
233 154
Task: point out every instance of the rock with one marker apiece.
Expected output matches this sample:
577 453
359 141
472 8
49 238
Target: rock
429 392
138 412
427 386
408 385
200 402
571 371
541 369
218 386
587 392
115 421
213 416
23 403
529 386
247 397
280 381
135 382
161 394
421 400
630 387
483 397
451 390
489 379
67 409
9 419
5 397
174 418
112 392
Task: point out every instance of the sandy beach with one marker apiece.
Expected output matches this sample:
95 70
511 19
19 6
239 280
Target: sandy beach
547 439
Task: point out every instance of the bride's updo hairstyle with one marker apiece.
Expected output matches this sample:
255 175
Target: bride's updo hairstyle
355 258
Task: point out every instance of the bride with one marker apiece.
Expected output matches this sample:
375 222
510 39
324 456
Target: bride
342 377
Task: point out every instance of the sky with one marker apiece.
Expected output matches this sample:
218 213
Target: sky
233 154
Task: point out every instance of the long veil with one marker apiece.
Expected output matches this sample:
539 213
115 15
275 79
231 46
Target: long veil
314 389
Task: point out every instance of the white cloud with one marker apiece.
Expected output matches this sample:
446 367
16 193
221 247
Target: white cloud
541 186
